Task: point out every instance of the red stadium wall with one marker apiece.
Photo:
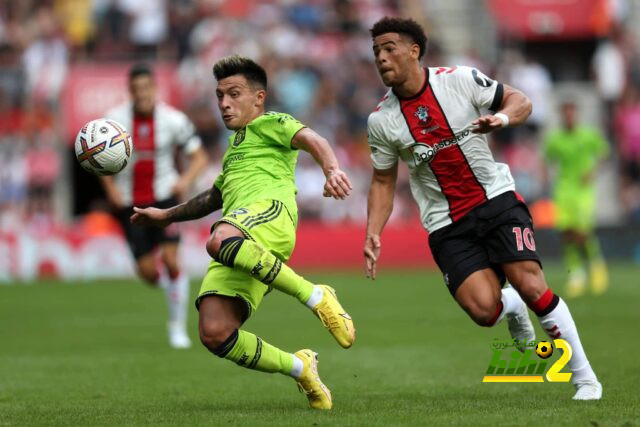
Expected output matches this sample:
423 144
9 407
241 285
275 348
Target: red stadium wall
79 252
328 246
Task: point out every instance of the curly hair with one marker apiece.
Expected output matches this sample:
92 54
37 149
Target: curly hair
236 64
406 27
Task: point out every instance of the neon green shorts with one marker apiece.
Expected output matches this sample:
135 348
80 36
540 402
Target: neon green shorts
575 210
267 222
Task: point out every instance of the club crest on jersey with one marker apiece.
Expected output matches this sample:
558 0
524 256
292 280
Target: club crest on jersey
422 113
239 137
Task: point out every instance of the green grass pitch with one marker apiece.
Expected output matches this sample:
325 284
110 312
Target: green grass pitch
96 354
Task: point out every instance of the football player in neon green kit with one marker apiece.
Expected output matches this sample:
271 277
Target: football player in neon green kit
576 150
256 235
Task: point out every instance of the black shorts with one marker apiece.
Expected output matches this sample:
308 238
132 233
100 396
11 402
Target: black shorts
143 240
498 231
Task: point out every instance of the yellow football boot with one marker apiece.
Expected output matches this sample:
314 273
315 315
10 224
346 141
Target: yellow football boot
335 318
309 382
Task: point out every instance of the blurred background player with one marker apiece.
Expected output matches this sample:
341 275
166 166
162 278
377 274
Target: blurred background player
157 130
257 233
576 150
480 231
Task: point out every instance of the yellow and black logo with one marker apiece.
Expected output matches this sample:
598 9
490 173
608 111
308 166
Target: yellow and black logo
544 349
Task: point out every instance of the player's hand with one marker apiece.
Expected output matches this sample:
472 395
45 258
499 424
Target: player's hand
486 124
338 185
371 254
150 216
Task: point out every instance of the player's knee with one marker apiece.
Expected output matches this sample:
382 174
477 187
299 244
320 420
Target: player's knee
172 268
213 245
483 313
213 334
529 281
171 263
148 274
485 318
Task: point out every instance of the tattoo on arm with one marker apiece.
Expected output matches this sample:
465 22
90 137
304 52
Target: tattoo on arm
201 205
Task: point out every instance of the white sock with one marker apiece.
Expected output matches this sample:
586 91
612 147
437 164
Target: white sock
511 302
560 324
163 281
296 370
316 297
177 293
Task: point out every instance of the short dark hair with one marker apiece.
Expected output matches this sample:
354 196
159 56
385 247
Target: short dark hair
407 27
236 64
140 69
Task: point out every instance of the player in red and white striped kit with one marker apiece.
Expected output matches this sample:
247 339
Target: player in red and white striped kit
480 230
151 179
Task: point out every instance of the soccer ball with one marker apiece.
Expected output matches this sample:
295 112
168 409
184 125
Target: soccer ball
103 147
544 349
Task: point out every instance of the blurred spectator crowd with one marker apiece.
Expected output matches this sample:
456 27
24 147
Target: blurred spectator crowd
319 61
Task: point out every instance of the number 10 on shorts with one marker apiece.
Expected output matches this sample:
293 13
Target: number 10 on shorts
524 237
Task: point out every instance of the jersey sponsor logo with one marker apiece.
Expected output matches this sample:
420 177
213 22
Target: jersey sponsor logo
481 79
425 153
232 159
239 137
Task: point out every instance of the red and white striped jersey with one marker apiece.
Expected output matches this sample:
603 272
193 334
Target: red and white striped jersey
451 169
151 174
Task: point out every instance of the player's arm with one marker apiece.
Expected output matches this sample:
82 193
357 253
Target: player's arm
379 207
201 205
513 111
113 194
337 184
197 162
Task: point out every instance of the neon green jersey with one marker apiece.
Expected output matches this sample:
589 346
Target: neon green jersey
576 153
260 164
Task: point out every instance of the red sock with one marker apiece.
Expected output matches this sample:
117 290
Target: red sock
545 304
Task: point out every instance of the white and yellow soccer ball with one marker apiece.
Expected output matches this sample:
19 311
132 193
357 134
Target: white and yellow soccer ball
103 147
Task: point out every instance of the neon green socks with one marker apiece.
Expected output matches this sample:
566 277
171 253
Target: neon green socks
252 352
250 257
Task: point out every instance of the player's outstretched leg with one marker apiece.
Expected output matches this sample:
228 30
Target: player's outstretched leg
252 258
556 320
217 318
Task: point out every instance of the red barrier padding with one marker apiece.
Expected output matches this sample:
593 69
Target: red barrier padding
340 246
